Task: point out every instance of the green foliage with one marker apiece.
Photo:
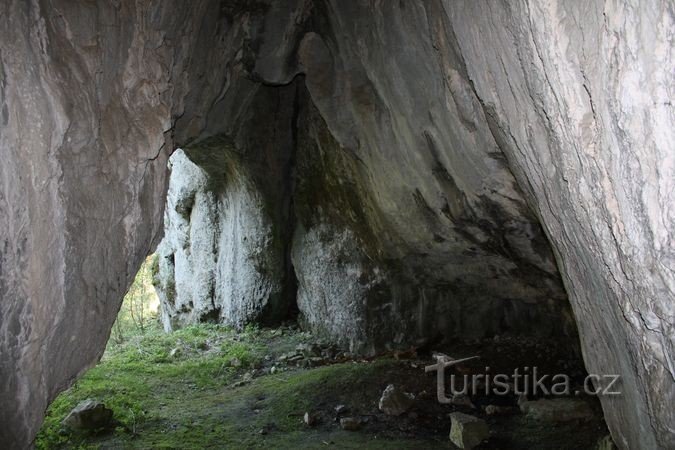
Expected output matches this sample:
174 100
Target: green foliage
135 376
177 391
139 308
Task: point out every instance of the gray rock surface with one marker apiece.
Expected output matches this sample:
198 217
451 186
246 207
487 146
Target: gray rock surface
217 261
421 155
467 431
394 401
89 415
579 101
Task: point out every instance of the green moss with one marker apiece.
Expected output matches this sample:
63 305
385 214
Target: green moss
134 378
189 401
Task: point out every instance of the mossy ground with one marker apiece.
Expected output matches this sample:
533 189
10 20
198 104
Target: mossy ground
210 387
191 399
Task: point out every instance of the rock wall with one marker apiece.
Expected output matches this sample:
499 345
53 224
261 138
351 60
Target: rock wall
366 278
362 280
83 117
219 260
433 142
593 84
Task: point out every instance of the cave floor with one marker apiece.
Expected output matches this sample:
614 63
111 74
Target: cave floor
210 387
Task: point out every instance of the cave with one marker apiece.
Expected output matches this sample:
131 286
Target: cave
389 175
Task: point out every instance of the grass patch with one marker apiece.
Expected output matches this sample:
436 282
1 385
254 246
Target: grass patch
150 369
177 391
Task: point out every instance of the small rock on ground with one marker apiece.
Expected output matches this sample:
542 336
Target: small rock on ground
89 415
467 431
341 409
394 401
310 419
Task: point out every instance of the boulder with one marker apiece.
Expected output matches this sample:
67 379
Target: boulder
467 431
394 401
89 415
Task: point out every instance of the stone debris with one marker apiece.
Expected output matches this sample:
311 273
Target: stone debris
309 350
467 431
89 415
394 401
247 378
310 419
235 362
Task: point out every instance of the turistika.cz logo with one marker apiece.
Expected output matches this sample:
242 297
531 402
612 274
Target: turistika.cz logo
523 381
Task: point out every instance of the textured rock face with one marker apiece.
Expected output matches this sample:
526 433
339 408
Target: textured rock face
413 163
361 280
422 230
81 193
219 260
593 85
187 255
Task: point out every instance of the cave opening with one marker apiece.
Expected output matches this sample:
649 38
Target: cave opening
273 271
370 188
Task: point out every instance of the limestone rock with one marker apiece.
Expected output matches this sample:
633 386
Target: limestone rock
410 180
467 431
607 238
219 261
310 419
394 401
89 415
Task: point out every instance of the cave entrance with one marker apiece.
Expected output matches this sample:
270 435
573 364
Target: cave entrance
260 226
178 372
140 308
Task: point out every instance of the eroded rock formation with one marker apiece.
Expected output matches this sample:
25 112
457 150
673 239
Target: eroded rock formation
413 151
361 280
